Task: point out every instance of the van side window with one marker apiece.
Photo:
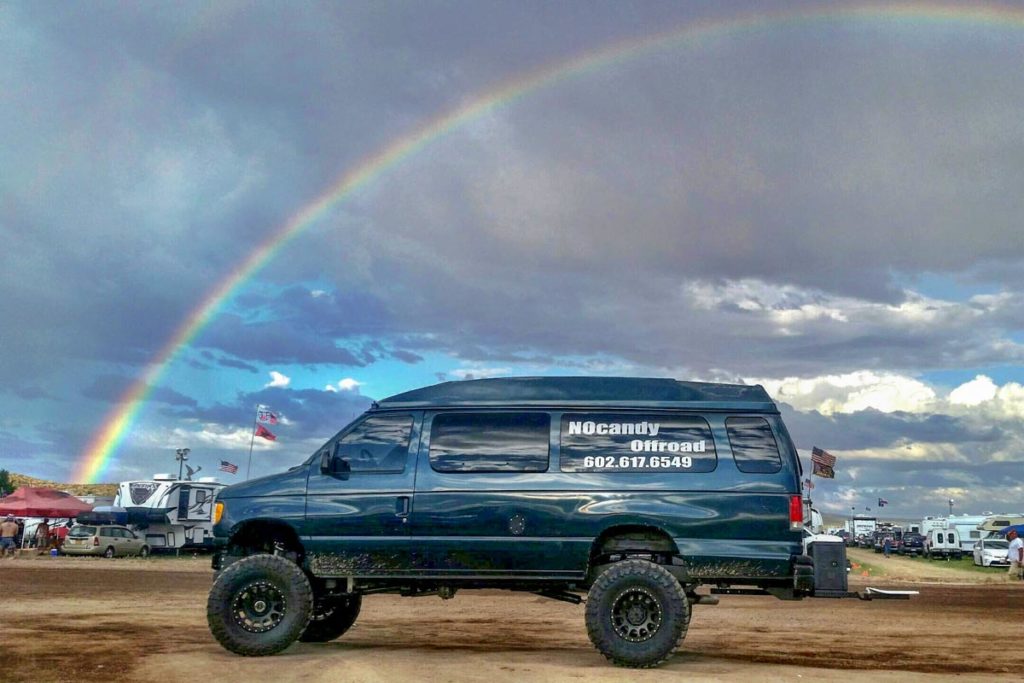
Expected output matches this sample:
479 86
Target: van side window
379 444
753 445
490 442
636 442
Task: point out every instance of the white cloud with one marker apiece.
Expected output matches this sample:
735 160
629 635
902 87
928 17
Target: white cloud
978 390
346 384
277 380
889 392
852 392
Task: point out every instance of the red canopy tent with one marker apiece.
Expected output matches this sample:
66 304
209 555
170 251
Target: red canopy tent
34 502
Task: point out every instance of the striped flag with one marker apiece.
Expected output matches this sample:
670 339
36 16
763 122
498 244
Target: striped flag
228 467
823 463
822 457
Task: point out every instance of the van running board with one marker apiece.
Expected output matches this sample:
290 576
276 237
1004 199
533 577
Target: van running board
867 594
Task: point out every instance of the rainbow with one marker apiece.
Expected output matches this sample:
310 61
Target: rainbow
118 422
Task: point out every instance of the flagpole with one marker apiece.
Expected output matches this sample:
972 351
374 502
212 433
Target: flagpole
252 440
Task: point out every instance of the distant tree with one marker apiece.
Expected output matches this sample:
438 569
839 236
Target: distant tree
6 485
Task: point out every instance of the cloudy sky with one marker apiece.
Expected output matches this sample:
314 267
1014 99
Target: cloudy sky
822 198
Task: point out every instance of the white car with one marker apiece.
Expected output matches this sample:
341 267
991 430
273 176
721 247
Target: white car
991 552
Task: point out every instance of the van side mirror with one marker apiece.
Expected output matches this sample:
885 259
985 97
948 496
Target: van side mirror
340 467
334 464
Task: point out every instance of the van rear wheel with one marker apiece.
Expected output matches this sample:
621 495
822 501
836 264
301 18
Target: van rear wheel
332 619
637 613
259 605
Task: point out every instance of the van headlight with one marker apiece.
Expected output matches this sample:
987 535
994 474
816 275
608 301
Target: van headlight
218 512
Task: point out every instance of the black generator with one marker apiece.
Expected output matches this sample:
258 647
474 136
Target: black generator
829 569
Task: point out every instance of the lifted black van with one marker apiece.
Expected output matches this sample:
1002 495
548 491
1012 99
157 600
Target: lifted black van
632 493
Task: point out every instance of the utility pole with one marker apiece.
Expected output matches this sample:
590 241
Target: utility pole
181 458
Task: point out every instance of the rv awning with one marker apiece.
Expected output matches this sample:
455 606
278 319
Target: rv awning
36 502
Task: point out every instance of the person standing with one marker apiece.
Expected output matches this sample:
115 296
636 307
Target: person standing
887 546
43 536
1015 554
8 532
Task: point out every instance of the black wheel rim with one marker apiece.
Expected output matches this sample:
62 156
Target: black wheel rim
258 607
636 615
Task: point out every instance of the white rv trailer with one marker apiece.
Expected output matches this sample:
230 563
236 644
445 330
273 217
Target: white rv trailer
967 527
170 512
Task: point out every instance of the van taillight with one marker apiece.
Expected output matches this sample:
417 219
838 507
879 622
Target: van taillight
95 540
796 513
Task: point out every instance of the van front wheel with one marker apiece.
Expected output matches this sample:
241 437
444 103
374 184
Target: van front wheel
636 614
259 605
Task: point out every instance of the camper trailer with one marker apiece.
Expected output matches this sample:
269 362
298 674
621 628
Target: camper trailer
171 513
967 527
994 524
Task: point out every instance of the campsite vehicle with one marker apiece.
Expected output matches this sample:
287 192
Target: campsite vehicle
911 544
991 552
996 524
632 492
108 540
968 528
944 543
170 513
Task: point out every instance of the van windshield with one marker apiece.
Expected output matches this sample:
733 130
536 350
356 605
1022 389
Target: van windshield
997 545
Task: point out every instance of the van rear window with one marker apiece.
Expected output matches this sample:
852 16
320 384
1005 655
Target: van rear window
753 445
82 531
490 442
636 442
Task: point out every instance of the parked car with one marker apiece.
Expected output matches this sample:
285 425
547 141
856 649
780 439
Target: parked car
912 544
108 540
991 552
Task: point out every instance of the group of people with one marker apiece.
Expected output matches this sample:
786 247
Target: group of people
11 536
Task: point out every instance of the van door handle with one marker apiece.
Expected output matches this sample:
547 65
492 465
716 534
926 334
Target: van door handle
402 506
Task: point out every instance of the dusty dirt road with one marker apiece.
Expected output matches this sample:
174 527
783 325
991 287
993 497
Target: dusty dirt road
78 619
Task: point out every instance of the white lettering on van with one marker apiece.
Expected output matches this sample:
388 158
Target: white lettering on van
657 446
589 428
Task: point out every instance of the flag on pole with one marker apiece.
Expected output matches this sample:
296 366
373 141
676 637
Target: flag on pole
822 457
823 471
823 463
228 467
265 433
264 414
882 502
808 484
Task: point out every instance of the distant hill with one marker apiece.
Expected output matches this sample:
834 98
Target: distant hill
73 489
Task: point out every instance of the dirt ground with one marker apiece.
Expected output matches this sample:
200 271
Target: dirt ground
84 619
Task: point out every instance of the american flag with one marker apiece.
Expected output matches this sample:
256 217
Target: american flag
822 457
228 467
808 484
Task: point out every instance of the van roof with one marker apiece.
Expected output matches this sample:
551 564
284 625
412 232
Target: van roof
590 391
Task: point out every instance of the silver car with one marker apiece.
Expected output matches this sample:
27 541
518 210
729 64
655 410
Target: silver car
108 540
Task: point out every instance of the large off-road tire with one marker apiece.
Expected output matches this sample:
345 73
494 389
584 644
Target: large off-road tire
331 619
637 613
259 605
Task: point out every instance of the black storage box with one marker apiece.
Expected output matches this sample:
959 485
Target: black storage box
829 569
